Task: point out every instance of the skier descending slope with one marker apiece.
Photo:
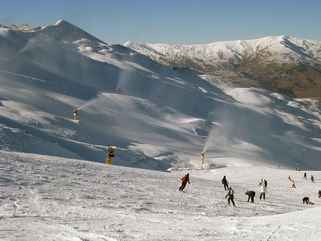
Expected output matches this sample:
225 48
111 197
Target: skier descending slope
225 183
185 180
230 196
312 178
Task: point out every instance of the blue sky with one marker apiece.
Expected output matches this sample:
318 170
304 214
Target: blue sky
180 21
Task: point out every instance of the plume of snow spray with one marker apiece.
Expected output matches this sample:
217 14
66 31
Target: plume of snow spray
122 86
90 102
214 133
123 81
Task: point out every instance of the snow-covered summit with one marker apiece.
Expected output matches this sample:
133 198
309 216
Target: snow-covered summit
277 48
60 22
62 30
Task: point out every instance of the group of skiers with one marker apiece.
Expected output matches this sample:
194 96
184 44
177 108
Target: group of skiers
306 200
230 192
306 177
251 194
263 187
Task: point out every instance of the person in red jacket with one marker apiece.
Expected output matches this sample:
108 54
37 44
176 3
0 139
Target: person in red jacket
185 180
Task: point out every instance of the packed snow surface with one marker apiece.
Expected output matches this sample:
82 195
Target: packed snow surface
64 199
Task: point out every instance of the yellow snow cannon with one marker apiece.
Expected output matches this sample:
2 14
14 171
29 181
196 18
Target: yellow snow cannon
110 154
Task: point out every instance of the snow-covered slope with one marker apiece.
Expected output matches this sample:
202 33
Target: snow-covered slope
125 98
156 116
73 200
276 48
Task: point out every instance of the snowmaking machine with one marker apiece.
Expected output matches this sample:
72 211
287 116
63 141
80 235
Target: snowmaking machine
110 154
76 116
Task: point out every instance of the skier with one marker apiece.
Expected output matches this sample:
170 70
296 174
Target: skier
312 178
262 191
319 193
251 195
305 175
185 180
306 200
292 182
265 183
225 183
230 196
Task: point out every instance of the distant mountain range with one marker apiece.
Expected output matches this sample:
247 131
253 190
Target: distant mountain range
280 63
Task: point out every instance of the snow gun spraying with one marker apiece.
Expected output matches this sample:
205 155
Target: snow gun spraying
203 159
209 140
76 112
76 116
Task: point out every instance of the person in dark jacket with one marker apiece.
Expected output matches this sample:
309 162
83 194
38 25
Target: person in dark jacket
265 183
262 191
251 195
225 183
185 180
230 196
306 200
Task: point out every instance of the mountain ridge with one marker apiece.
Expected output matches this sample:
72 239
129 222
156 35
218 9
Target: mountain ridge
267 41
284 64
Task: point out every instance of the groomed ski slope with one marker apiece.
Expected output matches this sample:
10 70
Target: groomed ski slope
73 200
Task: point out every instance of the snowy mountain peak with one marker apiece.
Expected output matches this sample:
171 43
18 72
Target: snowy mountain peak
63 30
128 43
282 49
60 22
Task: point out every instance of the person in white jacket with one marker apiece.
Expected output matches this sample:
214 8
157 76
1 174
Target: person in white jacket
262 191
